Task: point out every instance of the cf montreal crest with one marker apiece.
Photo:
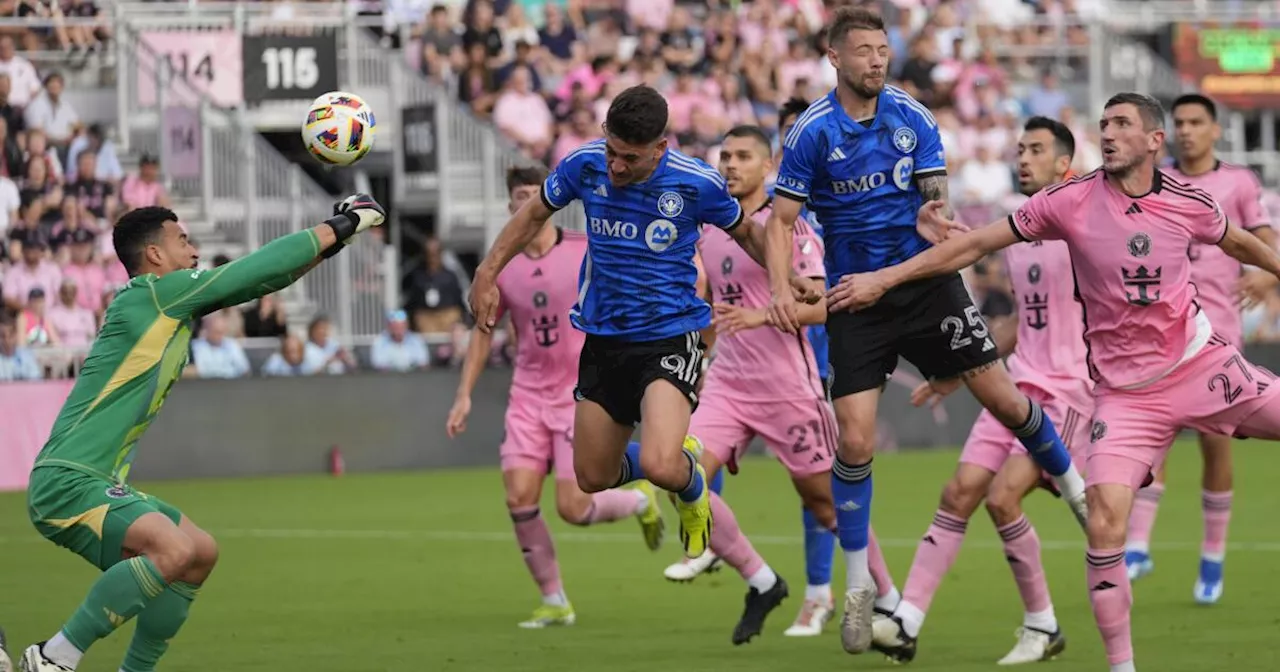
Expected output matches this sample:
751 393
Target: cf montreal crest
1140 244
670 204
905 140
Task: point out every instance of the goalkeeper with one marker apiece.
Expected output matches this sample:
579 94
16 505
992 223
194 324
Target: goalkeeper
153 558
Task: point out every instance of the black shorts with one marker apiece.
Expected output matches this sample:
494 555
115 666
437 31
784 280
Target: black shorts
614 373
931 323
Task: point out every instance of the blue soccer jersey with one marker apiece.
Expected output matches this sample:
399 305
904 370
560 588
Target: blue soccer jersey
638 280
860 179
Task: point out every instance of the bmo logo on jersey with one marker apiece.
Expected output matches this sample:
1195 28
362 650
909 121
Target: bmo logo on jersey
859 184
613 228
660 234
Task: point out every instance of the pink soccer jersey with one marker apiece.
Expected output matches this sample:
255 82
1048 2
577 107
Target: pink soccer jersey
1050 353
1132 269
538 293
1214 273
765 364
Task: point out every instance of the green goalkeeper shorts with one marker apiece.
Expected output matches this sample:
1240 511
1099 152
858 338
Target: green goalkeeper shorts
88 515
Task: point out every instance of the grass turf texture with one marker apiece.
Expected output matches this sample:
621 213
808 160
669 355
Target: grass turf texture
416 571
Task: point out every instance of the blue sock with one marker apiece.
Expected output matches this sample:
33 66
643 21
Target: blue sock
630 466
1042 442
717 482
851 487
693 491
819 549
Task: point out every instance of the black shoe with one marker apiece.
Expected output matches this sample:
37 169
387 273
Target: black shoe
903 650
758 606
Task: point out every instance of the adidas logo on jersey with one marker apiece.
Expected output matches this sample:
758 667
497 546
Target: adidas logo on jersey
601 191
1133 210
988 345
837 155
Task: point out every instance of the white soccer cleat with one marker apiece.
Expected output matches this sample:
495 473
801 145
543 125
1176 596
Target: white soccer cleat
855 625
6 665
689 569
33 660
1034 646
813 617
1081 508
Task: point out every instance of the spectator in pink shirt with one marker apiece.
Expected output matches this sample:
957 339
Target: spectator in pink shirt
651 13
523 116
682 101
35 271
580 130
85 271
592 76
144 189
800 63
74 324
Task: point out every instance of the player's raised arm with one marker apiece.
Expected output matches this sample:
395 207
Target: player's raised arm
1250 249
152 239
864 289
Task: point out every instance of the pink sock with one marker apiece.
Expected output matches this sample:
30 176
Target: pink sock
1112 598
934 555
1022 550
539 551
1217 514
879 569
728 541
611 505
1143 517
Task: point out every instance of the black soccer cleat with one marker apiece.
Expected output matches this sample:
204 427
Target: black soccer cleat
898 648
756 609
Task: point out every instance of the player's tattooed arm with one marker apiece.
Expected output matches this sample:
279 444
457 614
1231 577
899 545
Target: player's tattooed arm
934 188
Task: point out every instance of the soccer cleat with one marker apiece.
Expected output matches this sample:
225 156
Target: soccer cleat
1080 508
547 616
1139 564
33 660
651 523
756 609
1208 588
689 569
695 521
813 617
891 639
855 625
1034 646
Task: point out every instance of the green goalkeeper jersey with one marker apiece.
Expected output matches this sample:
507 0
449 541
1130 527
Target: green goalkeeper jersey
142 348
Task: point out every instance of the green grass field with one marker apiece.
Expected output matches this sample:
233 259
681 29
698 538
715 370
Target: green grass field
419 571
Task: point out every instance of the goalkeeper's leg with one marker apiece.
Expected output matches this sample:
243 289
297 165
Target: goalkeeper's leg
160 621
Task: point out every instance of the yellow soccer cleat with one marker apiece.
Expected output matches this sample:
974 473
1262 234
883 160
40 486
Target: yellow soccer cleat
695 521
547 616
651 523
693 445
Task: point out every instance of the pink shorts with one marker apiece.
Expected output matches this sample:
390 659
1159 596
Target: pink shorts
990 443
539 436
801 434
1214 392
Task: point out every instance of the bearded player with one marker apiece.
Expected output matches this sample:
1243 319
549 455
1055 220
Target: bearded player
1157 364
539 287
1218 282
1049 366
153 558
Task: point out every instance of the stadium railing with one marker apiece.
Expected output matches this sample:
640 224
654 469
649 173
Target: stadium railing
247 191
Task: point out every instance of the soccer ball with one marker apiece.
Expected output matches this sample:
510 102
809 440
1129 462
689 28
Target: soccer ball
339 128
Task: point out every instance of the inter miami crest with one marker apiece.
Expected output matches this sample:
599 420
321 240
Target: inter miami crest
1033 274
670 204
539 299
1098 432
726 266
1139 244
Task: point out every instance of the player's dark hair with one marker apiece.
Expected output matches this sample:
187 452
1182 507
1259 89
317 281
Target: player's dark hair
137 229
638 116
1197 99
754 132
525 176
1149 109
794 107
849 19
1063 140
